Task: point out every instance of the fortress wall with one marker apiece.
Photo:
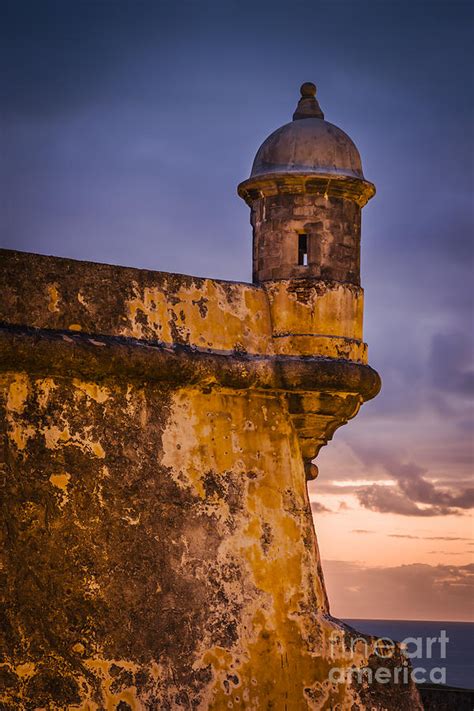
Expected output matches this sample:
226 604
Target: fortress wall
158 549
120 301
159 553
288 317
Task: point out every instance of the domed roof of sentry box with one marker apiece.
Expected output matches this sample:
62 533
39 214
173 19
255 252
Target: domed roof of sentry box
308 145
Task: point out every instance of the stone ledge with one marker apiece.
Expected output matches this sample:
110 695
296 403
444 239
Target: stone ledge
328 184
67 352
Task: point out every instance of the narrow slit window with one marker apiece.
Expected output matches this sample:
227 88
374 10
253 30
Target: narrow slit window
303 250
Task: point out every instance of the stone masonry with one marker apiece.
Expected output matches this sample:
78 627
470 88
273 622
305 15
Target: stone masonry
158 549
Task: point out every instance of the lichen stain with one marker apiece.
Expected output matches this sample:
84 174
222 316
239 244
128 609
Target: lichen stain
110 672
25 670
206 314
131 518
18 393
55 437
20 435
44 388
60 480
92 390
53 292
82 300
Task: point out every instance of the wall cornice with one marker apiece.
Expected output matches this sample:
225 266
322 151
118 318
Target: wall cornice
326 184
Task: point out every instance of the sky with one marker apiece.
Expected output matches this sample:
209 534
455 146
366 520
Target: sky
126 127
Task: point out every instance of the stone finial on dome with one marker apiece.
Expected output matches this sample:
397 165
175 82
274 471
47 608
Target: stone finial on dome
308 106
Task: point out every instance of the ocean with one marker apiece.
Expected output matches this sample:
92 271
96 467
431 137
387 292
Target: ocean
458 660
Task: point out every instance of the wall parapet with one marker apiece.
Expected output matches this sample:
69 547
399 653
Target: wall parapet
45 351
63 317
65 294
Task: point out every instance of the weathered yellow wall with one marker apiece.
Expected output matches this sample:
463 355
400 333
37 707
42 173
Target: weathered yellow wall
118 301
323 318
175 565
158 548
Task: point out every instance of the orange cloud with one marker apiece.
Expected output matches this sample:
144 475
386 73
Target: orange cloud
417 591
